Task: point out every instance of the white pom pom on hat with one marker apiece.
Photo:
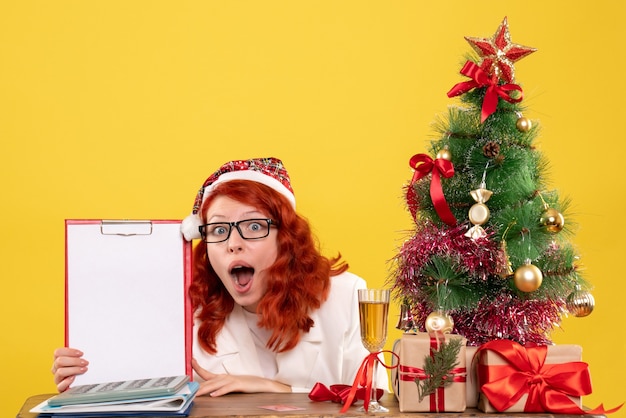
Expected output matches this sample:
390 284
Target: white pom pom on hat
268 171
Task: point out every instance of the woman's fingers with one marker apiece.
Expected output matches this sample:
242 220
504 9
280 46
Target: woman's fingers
67 352
68 363
204 374
64 384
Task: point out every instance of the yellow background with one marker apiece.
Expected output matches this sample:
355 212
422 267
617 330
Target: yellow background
121 109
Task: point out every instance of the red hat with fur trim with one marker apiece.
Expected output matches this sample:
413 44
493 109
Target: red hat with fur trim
268 171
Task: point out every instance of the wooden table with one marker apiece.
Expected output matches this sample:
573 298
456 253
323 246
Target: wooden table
249 405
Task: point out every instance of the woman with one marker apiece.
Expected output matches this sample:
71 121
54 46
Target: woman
272 313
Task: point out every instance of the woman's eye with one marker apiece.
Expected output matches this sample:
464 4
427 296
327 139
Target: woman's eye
219 230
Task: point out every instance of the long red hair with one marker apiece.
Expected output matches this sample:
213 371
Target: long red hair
297 283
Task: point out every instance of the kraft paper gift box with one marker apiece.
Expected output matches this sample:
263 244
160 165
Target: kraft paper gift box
492 367
471 384
412 350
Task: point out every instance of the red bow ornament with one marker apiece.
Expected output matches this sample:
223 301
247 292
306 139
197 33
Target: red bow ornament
548 386
480 78
424 165
363 380
338 393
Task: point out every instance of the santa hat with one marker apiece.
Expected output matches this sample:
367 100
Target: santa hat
267 171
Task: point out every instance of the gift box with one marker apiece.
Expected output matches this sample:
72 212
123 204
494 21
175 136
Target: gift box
514 378
471 384
411 381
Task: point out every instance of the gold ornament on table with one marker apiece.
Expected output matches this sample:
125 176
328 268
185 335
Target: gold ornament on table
580 303
528 277
523 124
439 321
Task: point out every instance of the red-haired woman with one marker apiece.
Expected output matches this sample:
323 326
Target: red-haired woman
271 313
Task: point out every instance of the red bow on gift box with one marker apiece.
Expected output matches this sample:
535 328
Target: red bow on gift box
548 386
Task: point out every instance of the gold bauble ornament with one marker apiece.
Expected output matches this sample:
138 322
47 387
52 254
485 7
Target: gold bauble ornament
439 321
580 302
523 124
528 278
444 154
553 220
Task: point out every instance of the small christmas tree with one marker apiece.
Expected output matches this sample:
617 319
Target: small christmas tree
490 256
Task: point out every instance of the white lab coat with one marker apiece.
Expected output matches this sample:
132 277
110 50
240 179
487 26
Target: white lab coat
330 353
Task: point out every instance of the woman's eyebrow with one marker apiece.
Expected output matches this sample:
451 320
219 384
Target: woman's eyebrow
253 213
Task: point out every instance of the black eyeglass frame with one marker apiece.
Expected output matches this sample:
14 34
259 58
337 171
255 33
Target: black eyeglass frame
202 229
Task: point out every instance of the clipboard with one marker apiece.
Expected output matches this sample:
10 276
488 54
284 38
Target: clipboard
126 298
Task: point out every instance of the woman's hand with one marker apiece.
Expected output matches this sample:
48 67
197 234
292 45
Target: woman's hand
221 384
68 362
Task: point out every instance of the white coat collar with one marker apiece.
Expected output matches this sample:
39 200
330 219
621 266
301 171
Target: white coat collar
235 343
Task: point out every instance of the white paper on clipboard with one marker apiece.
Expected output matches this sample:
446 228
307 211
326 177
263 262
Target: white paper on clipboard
127 306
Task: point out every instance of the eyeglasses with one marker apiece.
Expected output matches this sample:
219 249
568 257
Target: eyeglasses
248 229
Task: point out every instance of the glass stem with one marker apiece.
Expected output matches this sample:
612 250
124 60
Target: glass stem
373 391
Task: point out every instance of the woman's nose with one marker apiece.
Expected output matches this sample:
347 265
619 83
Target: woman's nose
234 248
235 242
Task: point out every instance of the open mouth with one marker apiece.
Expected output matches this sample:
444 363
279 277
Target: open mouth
242 274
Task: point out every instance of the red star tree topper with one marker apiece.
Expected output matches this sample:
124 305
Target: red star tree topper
499 53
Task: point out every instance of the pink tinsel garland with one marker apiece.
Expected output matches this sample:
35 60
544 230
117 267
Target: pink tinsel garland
498 314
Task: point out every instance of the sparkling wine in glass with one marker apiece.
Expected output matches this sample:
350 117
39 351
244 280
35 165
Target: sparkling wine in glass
373 311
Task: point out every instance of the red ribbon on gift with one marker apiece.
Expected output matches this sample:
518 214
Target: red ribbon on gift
424 165
363 379
480 78
338 393
547 385
408 373
437 399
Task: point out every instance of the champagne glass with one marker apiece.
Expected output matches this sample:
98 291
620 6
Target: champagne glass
373 310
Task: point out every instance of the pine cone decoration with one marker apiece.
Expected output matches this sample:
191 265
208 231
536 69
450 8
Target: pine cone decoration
491 149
